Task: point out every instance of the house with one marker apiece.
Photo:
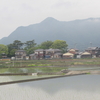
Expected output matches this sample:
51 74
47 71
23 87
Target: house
68 55
20 54
4 55
73 51
47 53
86 55
53 53
33 56
93 51
58 55
39 53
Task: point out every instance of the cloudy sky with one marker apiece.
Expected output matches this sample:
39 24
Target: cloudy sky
15 13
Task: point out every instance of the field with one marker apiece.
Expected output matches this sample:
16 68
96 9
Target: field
45 66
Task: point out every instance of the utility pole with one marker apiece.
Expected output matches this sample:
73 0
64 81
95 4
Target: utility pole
75 45
90 44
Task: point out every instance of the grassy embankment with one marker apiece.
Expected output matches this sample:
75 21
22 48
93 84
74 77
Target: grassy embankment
44 66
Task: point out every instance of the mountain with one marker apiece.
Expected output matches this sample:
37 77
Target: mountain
77 33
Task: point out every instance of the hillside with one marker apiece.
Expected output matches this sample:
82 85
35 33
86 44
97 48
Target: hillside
79 32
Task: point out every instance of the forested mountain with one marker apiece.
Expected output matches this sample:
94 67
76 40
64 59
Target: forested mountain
77 33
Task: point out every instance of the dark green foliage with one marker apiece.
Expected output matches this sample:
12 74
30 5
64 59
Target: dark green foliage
3 50
46 44
30 46
59 44
17 44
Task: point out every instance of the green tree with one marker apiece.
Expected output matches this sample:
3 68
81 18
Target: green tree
59 44
30 46
30 50
11 50
17 44
3 49
46 44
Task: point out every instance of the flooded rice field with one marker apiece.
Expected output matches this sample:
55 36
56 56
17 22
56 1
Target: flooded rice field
81 87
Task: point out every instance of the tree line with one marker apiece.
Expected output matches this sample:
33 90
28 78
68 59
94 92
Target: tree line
30 46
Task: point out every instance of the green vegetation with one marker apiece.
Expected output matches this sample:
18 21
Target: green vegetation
45 45
39 65
3 49
59 44
30 46
45 66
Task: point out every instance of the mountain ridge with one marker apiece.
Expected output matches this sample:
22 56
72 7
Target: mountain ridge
80 32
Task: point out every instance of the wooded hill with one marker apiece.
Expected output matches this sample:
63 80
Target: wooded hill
78 33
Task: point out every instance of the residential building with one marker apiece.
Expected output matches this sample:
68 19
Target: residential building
53 53
20 54
47 53
68 55
93 51
86 55
73 51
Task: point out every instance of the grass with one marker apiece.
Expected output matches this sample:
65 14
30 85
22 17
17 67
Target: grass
45 66
33 70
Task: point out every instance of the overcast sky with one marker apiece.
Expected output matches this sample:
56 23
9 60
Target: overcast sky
15 13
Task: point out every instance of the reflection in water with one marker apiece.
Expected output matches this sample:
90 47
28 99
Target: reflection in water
83 87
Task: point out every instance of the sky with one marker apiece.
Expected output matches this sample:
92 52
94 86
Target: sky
15 13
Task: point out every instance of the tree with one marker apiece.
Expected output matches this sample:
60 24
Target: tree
30 46
11 50
46 44
3 49
17 44
30 50
59 44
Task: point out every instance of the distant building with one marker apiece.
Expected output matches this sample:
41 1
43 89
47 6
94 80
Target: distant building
47 53
4 55
39 54
86 55
53 53
93 51
33 56
58 55
68 55
73 51
20 54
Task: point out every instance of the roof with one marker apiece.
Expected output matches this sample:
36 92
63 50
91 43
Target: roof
20 51
86 53
58 54
39 50
53 50
32 54
92 48
68 54
72 50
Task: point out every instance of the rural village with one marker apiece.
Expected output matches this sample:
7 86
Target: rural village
91 52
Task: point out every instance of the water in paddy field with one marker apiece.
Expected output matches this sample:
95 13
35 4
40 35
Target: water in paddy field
81 87
84 68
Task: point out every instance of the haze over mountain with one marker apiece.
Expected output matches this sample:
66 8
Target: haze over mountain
77 33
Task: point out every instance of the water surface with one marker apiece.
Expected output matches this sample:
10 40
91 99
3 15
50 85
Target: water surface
82 87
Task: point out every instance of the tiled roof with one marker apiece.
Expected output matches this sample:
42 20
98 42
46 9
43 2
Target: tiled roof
86 53
68 54
53 50
39 50
92 48
20 51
